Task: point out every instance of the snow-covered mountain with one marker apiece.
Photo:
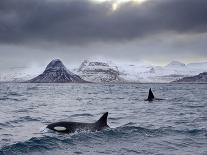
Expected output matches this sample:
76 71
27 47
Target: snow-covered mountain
56 72
144 72
108 71
132 72
96 71
15 74
178 68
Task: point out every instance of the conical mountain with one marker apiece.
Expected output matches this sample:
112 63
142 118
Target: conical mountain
56 72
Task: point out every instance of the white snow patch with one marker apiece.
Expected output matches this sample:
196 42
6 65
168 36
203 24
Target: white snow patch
60 128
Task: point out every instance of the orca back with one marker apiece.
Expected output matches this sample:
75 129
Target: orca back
150 95
69 127
102 122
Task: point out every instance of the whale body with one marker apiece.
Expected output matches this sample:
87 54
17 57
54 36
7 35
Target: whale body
151 96
70 127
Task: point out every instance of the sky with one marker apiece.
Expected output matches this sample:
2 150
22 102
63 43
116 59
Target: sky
33 32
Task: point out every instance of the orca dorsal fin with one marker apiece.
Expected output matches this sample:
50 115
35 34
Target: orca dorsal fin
102 122
151 95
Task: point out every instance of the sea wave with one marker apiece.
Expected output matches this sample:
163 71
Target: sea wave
53 141
173 126
7 98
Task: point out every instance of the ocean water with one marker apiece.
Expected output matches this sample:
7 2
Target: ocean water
175 126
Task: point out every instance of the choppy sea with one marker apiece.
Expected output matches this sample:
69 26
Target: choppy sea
174 126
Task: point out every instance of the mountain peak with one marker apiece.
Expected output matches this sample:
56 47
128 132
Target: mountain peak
55 64
56 72
176 63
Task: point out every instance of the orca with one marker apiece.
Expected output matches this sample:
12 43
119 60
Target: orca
70 127
151 96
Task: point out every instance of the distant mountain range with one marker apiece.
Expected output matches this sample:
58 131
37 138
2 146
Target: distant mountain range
144 72
201 78
105 71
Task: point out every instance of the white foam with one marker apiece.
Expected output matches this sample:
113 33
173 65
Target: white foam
43 130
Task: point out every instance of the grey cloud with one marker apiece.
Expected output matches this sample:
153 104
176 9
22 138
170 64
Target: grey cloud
82 21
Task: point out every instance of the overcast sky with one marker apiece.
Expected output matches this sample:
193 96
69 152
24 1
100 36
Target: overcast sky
158 31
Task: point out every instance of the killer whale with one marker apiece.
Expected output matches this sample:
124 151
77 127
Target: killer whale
70 127
151 96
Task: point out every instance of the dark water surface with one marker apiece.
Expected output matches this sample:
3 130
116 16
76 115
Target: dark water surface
177 125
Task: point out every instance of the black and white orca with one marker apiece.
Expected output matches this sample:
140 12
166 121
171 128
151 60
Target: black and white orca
151 96
70 127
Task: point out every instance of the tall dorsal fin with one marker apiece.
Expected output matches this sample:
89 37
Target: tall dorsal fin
151 95
102 122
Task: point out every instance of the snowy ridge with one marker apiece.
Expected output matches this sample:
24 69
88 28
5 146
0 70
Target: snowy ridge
143 72
104 71
95 71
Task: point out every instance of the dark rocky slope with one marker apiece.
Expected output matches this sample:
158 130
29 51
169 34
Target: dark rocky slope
201 78
56 72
